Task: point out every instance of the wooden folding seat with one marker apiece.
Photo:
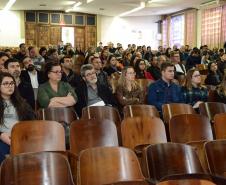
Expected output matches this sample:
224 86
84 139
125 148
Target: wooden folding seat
142 130
215 153
36 136
36 169
137 182
92 133
173 109
210 109
190 127
104 165
220 126
63 115
140 110
203 69
164 160
186 182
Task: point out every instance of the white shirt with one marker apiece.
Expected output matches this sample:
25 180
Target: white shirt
34 79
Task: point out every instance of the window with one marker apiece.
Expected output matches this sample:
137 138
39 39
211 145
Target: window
30 17
177 30
55 18
43 18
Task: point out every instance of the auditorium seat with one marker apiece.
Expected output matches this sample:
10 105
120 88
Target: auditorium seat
140 110
220 126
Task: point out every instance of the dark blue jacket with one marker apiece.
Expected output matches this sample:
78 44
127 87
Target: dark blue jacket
160 93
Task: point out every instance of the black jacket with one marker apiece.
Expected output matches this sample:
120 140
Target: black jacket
82 93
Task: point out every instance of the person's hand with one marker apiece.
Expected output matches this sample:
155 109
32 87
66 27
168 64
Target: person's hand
5 137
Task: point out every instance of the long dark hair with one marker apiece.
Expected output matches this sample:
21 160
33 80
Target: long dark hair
21 106
139 74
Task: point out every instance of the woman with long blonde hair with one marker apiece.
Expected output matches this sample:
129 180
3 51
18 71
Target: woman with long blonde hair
128 91
193 91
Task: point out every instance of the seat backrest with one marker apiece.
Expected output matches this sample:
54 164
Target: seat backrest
170 159
104 165
36 168
135 182
142 130
220 126
140 110
92 133
210 109
36 136
172 109
190 127
59 114
186 182
215 153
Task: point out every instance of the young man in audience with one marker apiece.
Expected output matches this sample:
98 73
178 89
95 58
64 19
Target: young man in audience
164 90
154 69
30 78
38 60
21 53
3 58
13 67
90 92
66 65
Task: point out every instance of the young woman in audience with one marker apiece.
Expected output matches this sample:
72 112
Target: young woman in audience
214 76
55 93
140 69
221 91
194 92
111 65
128 92
13 108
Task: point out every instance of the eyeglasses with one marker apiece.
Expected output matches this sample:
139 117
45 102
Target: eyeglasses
196 76
131 73
142 64
7 84
57 72
90 74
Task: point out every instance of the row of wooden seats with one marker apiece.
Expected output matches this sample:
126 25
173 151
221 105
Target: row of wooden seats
106 165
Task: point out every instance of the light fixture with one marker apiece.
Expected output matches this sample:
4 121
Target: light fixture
9 4
142 5
74 6
89 1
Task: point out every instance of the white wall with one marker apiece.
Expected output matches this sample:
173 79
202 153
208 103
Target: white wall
12 28
128 30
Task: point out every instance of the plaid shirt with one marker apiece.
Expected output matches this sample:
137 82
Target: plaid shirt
194 95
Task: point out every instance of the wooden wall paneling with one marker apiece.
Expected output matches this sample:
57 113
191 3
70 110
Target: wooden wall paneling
80 37
43 35
30 34
55 35
91 36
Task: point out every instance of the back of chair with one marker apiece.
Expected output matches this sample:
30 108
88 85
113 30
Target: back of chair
190 127
170 159
35 169
215 152
104 165
186 182
137 182
210 109
140 110
59 114
220 126
142 130
36 136
172 109
92 133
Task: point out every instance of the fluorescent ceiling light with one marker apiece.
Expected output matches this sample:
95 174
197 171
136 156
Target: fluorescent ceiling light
9 4
74 7
142 5
89 1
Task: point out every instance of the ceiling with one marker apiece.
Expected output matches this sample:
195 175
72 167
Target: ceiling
107 7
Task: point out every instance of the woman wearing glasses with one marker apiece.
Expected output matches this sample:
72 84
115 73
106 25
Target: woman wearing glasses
193 91
55 93
127 91
13 108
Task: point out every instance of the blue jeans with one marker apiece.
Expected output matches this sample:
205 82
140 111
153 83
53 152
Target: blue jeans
4 150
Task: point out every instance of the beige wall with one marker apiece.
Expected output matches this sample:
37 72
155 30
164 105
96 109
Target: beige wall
199 25
12 29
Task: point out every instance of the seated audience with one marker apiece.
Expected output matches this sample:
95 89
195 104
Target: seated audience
127 58
3 58
43 52
193 91
91 92
54 92
164 90
13 108
222 64
179 67
205 58
214 76
221 91
66 65
193 59
140 69
37 59
22 52
52 55
154 69
128 91
111 65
